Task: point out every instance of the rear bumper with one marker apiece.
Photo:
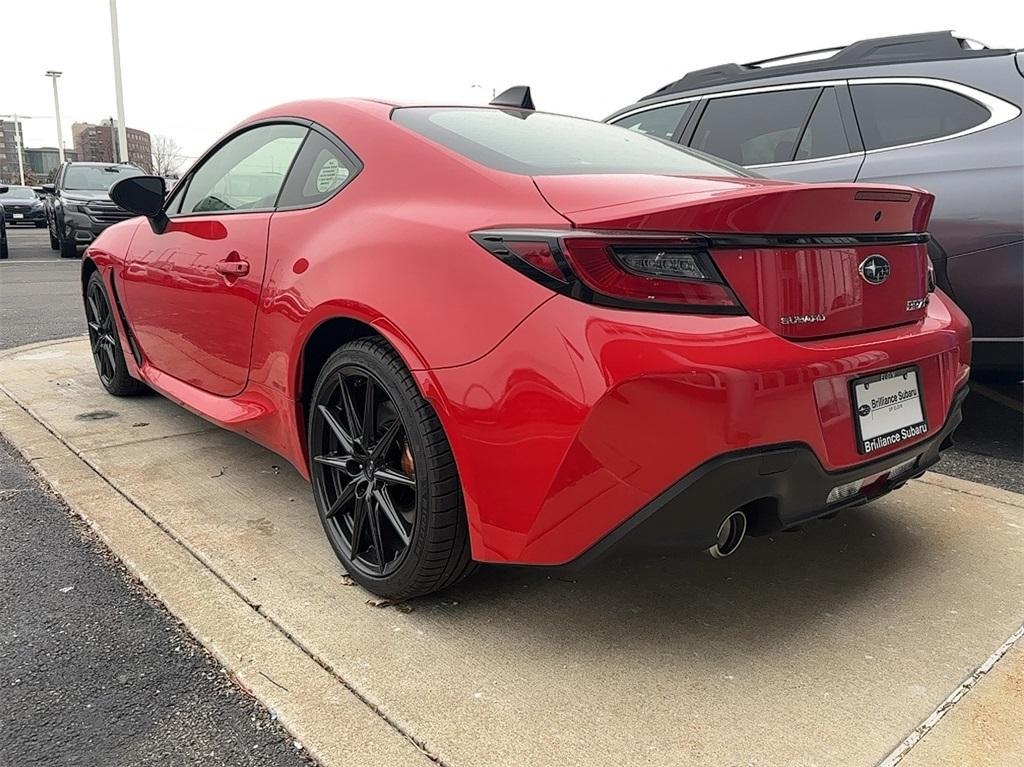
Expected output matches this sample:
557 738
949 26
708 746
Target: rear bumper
584 415
778 487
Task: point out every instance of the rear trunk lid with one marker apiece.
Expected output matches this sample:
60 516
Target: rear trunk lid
806 260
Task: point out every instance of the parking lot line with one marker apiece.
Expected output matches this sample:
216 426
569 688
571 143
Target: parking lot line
997 397
856 628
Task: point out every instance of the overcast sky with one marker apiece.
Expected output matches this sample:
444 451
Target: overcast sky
193 68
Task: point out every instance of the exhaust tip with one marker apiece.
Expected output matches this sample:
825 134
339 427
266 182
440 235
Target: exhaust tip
730 535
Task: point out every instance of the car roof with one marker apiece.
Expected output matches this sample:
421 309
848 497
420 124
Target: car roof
900 49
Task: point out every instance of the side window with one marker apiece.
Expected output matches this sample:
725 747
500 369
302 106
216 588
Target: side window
246 173
660 123
320 170
756 129
824 135
897 113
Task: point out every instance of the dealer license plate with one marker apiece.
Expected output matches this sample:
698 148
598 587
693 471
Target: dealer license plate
888 409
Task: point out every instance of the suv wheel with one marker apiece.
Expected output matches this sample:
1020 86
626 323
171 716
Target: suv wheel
68 249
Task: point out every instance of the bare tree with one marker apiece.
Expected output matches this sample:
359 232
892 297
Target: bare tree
166 156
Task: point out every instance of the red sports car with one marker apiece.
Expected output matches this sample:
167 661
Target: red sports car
492 334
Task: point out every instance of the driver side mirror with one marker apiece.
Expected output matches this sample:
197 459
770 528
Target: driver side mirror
143 195
4 189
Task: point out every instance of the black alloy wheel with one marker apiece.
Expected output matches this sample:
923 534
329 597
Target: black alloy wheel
104 342
383 475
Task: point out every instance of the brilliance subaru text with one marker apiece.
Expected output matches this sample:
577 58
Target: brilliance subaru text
493 334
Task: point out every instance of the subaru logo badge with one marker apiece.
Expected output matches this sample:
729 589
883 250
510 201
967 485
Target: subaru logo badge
874 269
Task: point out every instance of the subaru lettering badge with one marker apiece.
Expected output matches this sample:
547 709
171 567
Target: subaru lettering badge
874 269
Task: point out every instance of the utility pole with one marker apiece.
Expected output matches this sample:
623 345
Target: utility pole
122 132
53 75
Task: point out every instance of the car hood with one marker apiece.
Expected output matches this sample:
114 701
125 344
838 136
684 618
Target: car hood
84 195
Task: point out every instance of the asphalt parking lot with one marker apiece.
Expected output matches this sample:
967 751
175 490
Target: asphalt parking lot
900 602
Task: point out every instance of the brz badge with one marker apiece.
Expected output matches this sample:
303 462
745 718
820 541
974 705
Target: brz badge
874 269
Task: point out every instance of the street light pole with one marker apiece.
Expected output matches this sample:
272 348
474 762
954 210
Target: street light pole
53 75
17 146
122 132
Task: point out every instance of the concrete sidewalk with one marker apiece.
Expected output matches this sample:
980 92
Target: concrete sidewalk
826 647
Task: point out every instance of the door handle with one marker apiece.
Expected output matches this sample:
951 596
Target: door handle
232 268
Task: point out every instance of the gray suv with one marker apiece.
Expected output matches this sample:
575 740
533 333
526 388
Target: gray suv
928 110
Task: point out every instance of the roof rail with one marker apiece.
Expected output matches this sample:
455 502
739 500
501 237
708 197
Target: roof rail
923 46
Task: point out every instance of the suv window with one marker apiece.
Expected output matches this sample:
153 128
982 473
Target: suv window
538 143
755 129
320 170
246 173
661 122
897 113
824 135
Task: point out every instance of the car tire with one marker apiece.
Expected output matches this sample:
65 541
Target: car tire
413 537
105 342
68 248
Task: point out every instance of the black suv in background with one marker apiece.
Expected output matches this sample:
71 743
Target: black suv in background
22 206
79 207
926 110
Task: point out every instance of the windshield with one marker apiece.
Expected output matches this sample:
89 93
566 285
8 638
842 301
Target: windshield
96 178
18 193
538 143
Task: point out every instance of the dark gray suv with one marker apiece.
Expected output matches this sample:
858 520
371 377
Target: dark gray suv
927 110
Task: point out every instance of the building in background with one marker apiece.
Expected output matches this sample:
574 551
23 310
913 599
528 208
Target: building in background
9 152
43 161
98 143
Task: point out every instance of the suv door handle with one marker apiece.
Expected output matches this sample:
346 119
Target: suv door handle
232 268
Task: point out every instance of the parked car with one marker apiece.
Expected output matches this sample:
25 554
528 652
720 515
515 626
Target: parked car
926 110
23 206
4 251
495 334
78 207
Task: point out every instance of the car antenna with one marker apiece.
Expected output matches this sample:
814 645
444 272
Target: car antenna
517 97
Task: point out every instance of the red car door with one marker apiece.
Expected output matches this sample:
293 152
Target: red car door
191 291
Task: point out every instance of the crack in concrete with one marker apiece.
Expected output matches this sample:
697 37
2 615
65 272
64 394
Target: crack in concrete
898 753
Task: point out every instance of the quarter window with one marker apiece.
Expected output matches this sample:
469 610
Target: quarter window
824 135
755 129
899 113
320 170
246 173
661 122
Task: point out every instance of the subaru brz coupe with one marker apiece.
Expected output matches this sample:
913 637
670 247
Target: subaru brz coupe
494 334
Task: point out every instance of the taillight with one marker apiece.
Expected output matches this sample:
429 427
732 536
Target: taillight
659 272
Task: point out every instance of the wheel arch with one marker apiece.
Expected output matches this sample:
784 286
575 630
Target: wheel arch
324 337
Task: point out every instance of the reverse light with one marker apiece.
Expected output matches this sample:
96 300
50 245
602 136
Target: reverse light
842 492
663 272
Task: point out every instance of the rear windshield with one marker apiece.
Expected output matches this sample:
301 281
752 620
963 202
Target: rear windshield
539 144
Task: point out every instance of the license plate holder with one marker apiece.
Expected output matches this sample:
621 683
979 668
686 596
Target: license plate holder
17 215
888 408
